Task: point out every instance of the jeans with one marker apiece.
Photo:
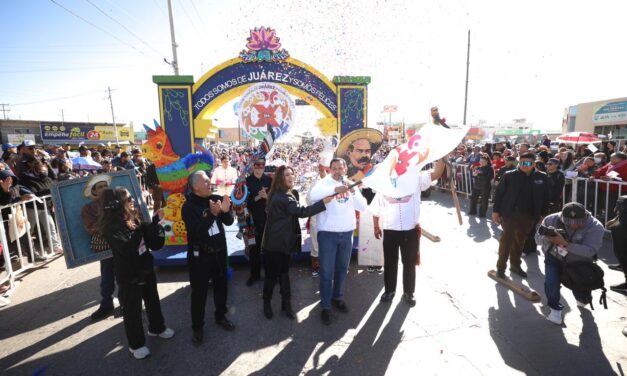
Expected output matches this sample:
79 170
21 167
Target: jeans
107 283
335 254
552 284
41 217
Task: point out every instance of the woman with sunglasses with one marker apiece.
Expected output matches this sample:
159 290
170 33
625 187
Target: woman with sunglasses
281 236
131 241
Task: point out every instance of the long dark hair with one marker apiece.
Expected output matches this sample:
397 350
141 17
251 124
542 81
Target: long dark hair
115 211
278 182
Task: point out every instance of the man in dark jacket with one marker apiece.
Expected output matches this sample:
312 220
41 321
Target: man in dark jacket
557 180
482 184
521 201
618 227
205 215
258 187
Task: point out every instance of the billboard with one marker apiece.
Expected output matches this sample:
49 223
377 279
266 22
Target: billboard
82 132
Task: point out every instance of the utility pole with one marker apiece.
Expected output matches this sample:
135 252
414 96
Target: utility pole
467 70
62 116
4 110
115 128
175 62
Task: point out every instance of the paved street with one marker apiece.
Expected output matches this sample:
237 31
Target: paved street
464 323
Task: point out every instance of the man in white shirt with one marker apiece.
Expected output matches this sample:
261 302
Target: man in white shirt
323 169
397 220
335 234
224 177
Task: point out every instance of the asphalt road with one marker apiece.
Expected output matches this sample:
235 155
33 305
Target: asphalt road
464 323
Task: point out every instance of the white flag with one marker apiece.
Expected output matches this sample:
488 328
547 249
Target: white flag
397 175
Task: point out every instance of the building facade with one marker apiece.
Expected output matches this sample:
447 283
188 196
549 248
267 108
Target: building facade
606 117
57 132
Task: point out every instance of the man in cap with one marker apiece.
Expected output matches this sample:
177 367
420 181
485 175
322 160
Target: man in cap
29 151
9 155
576 236
90 214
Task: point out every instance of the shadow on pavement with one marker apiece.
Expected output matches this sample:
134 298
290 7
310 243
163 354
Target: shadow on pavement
478 229
535 346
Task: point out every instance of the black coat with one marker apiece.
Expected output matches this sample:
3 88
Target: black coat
129 266
510 186
483 180
282 228
257 208
557 180
198 220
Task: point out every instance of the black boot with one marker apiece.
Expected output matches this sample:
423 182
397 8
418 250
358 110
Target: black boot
268 286
267 309
286 296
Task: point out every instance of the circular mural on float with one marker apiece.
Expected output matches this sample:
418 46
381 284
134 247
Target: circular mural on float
266 106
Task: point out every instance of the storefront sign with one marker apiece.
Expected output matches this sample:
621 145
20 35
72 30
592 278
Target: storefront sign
610 113
77 132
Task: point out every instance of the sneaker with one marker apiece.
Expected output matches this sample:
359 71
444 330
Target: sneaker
166 334
518 271
409 299
622 288
140 353
555 316
339 305
101 313
387 296
315 273
370 269
617 267
325 315
378 269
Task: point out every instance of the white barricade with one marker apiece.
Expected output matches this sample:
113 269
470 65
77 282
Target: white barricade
598 196
463 179
28 235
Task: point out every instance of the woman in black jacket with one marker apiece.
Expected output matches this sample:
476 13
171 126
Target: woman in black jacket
131 242
280 237
482 185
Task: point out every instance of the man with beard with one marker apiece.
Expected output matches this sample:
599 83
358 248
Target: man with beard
435 116
357 149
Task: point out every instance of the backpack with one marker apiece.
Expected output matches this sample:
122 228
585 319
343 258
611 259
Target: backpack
584 276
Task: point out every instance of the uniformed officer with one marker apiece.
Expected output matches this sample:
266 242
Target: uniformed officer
205 215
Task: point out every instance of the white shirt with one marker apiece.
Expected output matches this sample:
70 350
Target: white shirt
403 213
224 179
340 213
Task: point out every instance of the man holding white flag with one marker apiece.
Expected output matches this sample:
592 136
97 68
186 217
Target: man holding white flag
397 219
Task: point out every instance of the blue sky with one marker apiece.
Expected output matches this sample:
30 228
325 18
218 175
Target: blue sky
528 59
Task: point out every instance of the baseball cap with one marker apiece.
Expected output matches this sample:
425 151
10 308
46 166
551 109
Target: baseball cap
6 147
574 213
29 143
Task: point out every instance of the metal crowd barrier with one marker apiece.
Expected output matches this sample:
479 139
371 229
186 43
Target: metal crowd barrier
463 179
22 242
598 196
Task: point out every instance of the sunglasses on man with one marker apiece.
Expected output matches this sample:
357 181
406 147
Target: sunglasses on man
526 163
260 165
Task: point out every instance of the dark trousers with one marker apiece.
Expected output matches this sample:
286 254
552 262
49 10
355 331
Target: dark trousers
254 253
107 283
516 228
201 269
619 237
408 243
158 199
131 297
483 203
277 270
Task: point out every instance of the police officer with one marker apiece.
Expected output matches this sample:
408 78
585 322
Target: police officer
205 215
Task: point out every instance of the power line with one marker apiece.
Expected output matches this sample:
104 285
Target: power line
124 27
71 69
198 15
99 28
58 98
188 17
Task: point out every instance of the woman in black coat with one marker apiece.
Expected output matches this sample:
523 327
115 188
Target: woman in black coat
281 235
131 241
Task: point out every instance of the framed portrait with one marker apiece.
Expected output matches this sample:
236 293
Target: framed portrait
70 196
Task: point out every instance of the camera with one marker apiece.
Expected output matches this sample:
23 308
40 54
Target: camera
550 231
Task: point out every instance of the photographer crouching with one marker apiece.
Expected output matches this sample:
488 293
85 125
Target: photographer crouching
568 236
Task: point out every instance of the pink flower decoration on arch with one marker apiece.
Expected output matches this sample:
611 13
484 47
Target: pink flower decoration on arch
263 39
